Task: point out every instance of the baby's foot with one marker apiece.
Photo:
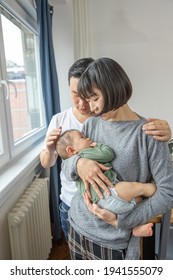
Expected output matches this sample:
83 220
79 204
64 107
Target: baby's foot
143 230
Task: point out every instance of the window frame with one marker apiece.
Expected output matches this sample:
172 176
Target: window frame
11 149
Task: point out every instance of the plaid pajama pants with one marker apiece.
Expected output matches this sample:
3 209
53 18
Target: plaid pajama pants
81 248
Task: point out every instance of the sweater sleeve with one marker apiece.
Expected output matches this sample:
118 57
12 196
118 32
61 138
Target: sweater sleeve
69 168
161 167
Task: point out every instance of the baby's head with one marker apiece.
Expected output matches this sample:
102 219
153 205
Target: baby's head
72 142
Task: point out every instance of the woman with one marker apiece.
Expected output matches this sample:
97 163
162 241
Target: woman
107 88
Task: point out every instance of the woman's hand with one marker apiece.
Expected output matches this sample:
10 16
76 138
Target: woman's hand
91 172
101 213
160 129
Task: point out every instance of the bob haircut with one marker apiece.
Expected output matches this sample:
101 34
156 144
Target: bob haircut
106 75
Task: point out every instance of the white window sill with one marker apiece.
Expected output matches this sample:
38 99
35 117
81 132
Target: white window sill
21 168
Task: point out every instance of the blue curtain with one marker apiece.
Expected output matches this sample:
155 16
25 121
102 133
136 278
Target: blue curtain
50 90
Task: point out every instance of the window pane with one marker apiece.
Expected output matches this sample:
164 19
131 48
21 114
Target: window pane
25 101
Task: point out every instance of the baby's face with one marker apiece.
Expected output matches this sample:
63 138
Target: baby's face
80 142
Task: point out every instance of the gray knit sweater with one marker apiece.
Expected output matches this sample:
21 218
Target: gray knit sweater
139 158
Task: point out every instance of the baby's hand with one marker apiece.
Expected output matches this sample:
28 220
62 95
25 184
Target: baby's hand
93 144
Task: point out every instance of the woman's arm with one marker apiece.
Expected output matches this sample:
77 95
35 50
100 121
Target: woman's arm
160 129
89 171
103 214
162 169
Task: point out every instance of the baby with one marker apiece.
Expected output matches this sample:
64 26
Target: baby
124 195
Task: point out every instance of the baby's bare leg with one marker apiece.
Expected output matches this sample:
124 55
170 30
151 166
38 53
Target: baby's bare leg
143 230
149 189
132 190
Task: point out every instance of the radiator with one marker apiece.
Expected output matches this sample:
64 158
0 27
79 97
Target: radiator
29 223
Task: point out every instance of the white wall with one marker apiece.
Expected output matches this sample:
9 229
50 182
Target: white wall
138 34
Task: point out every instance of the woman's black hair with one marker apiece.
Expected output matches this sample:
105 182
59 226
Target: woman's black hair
110 78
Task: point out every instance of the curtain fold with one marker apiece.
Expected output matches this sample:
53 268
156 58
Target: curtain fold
51 98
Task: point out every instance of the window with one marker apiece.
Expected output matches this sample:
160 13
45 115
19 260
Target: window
22 120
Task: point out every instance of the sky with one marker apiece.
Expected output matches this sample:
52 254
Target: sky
12 41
